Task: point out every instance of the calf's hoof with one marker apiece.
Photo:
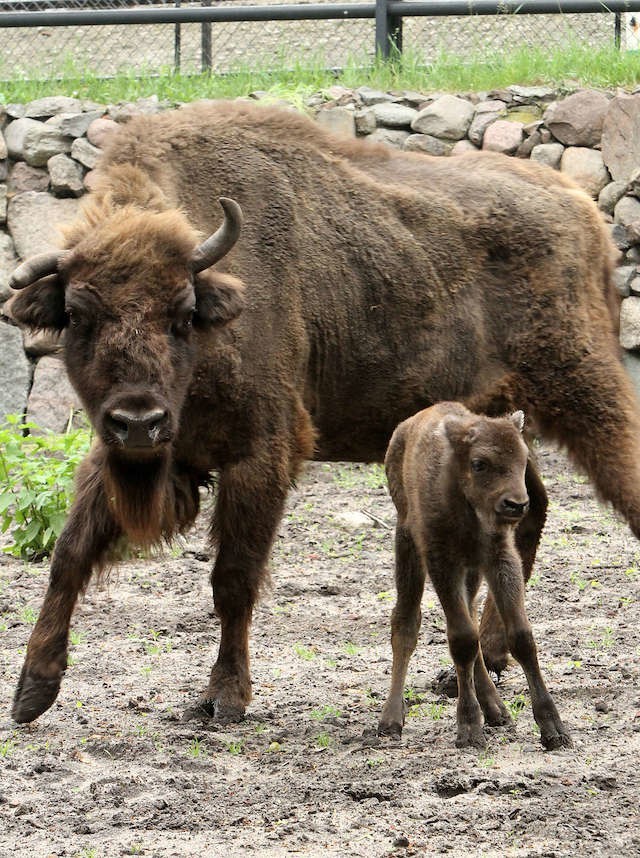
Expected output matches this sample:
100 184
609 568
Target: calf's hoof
390 728
216 709
34 695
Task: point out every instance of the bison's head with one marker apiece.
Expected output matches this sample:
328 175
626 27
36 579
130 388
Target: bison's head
135 293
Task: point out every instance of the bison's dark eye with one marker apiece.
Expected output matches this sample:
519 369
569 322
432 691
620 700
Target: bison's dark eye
479 465
181 325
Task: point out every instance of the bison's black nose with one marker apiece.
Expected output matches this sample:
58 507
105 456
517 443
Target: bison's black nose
512 509
135 429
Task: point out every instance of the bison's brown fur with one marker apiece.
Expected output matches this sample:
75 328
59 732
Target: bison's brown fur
375 283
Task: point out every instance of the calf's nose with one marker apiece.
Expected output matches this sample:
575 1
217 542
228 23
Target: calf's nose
136 429
509 508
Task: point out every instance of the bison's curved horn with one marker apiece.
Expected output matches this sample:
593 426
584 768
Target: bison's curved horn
222 240
35 268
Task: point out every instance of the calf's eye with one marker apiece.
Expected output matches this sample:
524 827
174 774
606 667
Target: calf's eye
478 465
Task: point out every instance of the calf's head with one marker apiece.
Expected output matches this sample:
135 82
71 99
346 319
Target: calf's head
134 292
489 463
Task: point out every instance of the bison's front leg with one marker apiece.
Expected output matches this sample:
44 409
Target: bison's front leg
82 545
250 502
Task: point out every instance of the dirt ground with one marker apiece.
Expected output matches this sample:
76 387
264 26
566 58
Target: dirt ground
114 768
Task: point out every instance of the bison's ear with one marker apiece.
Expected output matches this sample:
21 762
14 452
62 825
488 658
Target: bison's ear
517 418
39 306
219 299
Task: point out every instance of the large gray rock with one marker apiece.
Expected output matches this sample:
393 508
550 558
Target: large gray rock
626 211
86 153
42 108
630 323
486 113
394 115
34 218
610 195
66 176
370 96
503 136
15 372
622 277
395 137
15 134
35 142
4 152
427 143
337 120
549 154
25 178
8 263
365 121
52 401
73 124
586 167
449 118
577 120
621 136
101 130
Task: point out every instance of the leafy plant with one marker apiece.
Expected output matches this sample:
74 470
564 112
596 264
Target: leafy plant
36 484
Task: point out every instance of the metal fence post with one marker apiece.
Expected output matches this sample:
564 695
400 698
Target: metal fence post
617 30
177 42
388 31
206 41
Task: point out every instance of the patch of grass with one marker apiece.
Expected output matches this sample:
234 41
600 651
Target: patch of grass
235 747
349 648
196 748
36 484
323 712
324 740
294 79
304 652
516 705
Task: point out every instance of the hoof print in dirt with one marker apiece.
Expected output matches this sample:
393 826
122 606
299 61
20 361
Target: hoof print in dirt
34 695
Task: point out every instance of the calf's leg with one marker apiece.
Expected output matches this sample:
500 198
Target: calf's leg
405 625
505 581
251 497
492 633
85 539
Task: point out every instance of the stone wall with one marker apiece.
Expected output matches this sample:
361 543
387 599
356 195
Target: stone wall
49 148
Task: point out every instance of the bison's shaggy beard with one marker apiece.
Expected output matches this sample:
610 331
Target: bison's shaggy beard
137 494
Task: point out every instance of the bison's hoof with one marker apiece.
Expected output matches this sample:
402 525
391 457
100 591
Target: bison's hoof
470 736
556 740
34 695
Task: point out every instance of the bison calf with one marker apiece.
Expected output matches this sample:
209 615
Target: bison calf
458 483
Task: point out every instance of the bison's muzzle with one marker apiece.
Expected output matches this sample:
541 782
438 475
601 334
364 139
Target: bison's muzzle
136 431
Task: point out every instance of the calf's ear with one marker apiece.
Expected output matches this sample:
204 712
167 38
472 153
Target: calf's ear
458 431
39 306
219 299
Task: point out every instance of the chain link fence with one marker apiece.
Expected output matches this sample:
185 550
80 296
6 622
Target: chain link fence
45 52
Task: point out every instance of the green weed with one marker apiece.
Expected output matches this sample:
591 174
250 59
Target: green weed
36 484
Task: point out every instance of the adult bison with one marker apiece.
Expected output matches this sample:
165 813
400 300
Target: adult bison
366 285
